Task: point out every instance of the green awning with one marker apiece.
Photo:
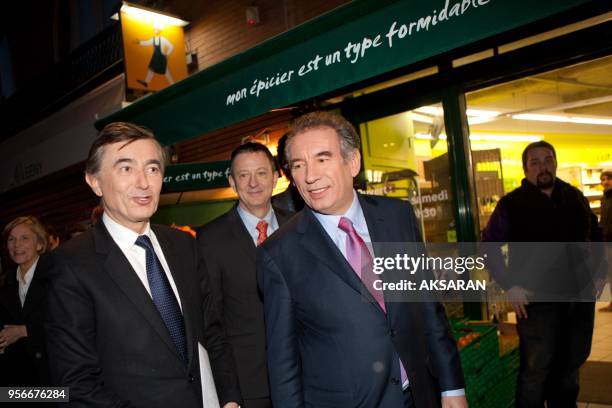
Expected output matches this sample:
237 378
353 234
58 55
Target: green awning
355 42
196 176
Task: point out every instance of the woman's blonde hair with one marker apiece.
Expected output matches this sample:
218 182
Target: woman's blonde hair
36 227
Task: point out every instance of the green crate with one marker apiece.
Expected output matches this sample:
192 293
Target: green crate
476 355
511 361
457 322
486 374
502 394
478 385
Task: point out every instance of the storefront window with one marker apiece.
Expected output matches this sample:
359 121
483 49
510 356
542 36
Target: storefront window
571 108
406 156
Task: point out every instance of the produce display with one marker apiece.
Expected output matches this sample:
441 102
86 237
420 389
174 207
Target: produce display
490 362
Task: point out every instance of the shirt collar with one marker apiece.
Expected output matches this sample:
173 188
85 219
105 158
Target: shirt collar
29 274
251 221
354 213
124 237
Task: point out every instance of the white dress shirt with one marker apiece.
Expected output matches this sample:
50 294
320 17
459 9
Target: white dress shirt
355 214
24 284
125 238
250 222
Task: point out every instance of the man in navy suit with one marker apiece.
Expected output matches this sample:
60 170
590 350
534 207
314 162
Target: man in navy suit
326 346
129 302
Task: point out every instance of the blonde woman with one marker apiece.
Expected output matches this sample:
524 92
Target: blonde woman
22 306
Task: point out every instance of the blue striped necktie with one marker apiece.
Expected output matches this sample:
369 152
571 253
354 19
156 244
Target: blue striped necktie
163 297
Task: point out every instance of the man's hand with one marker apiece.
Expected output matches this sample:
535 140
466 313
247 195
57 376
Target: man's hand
11 333
454 402
517 296
231 405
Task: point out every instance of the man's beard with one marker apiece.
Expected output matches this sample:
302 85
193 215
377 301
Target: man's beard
547 182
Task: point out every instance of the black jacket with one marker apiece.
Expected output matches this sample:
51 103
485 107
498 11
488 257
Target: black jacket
606 216
24 363
108 342
540 230
229 254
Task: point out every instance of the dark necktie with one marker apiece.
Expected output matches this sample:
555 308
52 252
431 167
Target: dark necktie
163 297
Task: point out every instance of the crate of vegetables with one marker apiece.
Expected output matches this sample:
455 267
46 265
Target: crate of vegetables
478 346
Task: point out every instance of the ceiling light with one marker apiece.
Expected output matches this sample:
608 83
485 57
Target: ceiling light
583 120
430 110
421 118
481 113
153 17
488 137
427 136
476 113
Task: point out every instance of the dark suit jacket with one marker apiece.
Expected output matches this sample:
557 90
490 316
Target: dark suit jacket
329 348
229 254
25 362
106 339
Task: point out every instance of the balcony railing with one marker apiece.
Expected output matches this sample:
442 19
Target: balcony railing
90 65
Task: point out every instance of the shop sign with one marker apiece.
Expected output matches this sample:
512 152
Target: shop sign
440 196
196 176
353 43
154 51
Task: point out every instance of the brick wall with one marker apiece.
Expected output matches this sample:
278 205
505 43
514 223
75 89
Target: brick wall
219 144
219 30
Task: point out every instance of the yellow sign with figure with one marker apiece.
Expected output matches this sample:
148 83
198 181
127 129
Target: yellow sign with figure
154 51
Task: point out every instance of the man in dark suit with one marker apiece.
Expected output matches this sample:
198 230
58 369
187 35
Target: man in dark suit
326 346
128 302
228 246
290 199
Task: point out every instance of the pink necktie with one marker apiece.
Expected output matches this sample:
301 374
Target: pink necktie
359 258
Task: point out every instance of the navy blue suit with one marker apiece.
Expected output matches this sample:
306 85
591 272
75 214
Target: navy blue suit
329 348
108 342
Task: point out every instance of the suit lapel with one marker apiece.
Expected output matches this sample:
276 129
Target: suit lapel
321 247
11 301
183 286
374 219
121 271
240 233
379 233
36 293
282 216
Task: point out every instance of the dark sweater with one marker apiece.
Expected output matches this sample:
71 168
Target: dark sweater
539 229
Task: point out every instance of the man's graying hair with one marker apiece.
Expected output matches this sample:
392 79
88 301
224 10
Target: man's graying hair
349 139
114 133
